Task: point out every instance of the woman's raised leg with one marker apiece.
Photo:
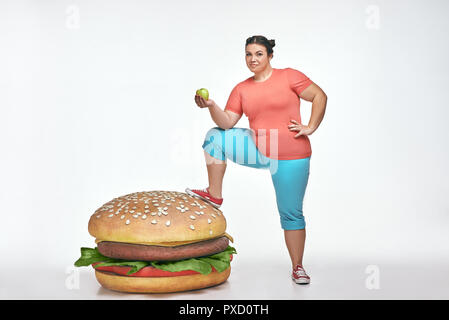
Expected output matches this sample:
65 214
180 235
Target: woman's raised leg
219 145
215 170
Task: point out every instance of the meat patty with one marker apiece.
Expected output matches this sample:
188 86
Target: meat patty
132 251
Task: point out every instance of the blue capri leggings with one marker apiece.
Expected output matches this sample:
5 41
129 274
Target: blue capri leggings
289 176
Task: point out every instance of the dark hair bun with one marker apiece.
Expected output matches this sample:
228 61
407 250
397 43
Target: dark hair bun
272 43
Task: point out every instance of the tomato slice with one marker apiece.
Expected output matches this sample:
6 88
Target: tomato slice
148 271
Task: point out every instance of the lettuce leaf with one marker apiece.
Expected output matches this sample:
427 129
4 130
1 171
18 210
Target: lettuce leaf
220 261
135 265
89 256
188 264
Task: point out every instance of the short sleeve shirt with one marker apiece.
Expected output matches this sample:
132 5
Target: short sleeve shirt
269 106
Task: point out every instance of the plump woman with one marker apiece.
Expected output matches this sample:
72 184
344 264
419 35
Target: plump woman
276 140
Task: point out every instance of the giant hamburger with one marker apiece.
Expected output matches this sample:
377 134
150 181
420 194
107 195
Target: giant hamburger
158 241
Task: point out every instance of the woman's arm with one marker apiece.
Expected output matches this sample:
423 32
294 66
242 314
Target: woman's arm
318 98
224 119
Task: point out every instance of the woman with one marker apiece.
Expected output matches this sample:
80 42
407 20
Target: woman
277 139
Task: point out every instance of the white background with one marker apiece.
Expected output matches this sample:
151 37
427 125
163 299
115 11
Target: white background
97 101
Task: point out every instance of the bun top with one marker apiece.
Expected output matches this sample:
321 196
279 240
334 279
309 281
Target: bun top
156 216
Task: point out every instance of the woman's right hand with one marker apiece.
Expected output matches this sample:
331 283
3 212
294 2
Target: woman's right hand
203 103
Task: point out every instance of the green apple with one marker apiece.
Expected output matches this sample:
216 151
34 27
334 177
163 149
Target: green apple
203 92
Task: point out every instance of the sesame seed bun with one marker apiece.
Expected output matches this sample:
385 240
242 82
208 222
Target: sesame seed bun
156 216
160 284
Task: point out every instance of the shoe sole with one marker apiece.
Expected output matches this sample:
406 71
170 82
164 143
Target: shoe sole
301 281
193 194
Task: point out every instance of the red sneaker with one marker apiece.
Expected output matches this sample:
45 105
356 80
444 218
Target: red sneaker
300 276
205 195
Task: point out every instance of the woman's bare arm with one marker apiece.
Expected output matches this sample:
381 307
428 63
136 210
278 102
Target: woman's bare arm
318 98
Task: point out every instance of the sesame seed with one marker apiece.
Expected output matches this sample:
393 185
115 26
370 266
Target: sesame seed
167 223
144 216
192 217
127 221
122 217
153 221
209 220
192 227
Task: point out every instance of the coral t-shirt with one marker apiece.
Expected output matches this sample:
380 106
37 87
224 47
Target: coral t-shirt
269 106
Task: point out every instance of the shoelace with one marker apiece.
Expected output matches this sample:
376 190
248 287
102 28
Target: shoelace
300 272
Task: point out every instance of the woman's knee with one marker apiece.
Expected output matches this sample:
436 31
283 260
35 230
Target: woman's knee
214 136
219 136
293 223
213 143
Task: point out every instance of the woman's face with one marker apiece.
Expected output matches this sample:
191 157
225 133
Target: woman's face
256 57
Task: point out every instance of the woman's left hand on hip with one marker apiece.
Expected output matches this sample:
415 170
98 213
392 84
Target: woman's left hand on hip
301 129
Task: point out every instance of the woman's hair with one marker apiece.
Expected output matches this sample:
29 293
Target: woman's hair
268 44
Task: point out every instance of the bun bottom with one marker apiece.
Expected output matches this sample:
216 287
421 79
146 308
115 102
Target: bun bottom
160 284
